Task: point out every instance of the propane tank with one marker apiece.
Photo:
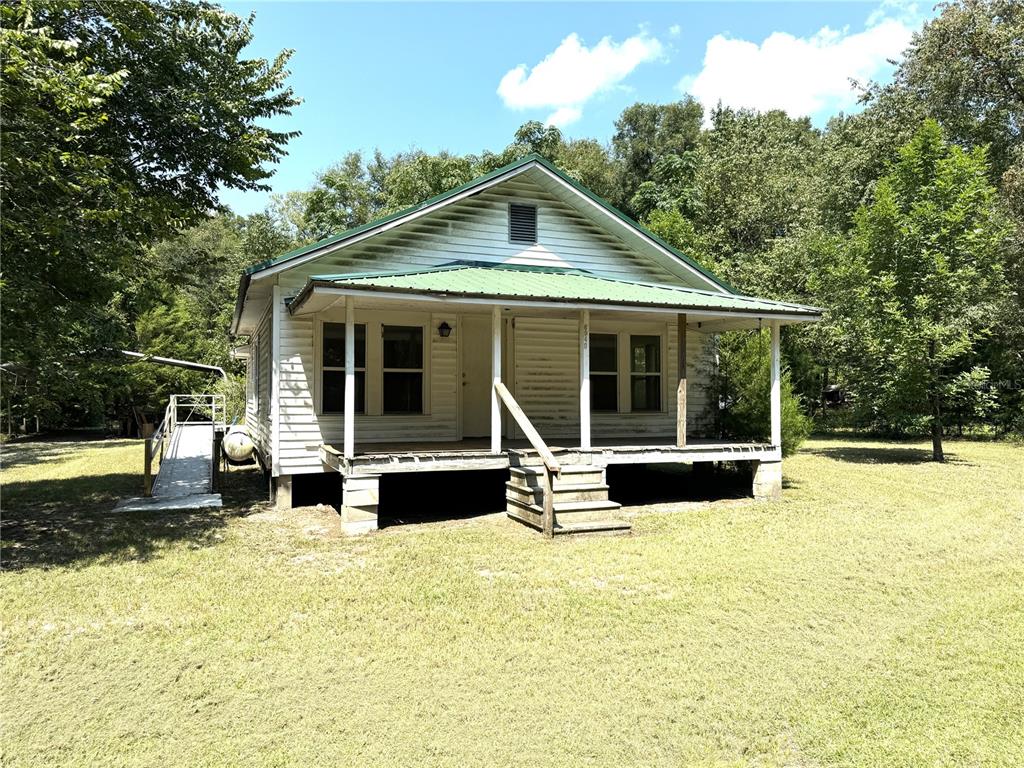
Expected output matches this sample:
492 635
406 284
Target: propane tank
237 445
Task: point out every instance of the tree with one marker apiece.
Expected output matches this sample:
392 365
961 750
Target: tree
121 121
646 134
915 295
742 383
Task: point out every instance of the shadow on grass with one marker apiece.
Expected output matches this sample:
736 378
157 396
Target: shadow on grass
71 522
876 455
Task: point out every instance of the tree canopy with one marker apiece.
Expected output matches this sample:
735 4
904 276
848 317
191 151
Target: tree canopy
905 220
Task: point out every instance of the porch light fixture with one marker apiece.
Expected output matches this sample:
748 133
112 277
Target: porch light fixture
444 330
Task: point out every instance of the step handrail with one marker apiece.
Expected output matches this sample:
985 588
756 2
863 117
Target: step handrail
527 427
551 465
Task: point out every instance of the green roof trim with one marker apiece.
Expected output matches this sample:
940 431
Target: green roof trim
543 284
515 165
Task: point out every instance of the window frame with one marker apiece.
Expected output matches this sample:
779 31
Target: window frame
374 320
607 374
323 368
659 374
422 370
623 331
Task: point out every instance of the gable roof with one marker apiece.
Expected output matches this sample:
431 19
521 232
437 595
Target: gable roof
628 228
545 286
445 197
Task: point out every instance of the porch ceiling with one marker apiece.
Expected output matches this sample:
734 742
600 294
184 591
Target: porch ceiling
545 289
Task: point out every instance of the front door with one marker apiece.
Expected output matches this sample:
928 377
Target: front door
475 351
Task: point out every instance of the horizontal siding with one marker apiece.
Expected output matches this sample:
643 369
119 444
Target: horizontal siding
476 229
547 384
257 406
303 430
547 375
545 381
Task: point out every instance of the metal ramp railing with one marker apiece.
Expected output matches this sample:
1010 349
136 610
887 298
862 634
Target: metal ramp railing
183 455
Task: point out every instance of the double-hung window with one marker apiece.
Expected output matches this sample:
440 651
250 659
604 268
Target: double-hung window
645 373
333 356
402 390
604 372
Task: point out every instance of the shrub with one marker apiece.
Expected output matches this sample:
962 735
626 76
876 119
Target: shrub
742 385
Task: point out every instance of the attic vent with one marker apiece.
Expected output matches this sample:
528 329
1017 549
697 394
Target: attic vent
522 223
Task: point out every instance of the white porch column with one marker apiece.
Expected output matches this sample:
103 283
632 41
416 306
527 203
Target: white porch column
350 377
776 392
584 378
681 380
495 379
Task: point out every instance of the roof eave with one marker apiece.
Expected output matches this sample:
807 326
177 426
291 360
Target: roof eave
794 313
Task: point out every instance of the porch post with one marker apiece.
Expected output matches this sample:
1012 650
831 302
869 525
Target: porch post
776 392
681 385
495 379
350 377
584 378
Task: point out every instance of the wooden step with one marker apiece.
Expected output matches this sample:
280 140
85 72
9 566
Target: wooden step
563 493
567 510
571 474
600 526
609 527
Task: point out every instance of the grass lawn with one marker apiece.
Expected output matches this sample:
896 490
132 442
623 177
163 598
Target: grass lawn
875 617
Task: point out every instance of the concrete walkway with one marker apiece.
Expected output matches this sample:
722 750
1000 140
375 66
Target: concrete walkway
185 477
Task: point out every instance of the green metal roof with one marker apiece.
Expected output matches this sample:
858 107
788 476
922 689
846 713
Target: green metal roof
530 158
543 284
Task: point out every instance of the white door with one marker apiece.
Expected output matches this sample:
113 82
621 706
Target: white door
475 350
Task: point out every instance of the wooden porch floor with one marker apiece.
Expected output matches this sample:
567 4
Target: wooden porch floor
475 454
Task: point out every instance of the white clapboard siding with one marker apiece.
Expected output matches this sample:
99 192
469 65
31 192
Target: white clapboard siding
545 351
547 384
476 229
257 402
303 430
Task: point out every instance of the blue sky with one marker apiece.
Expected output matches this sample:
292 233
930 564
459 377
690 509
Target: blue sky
463 77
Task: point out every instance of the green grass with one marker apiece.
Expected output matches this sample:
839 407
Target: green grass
875 616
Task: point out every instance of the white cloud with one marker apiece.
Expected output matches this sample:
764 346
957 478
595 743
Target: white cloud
572 74
806 76
674 30
564 116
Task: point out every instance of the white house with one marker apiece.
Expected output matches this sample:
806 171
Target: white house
517 322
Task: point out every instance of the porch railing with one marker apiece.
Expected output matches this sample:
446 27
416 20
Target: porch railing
551 465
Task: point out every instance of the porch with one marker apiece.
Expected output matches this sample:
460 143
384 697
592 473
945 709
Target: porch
475 454
440 371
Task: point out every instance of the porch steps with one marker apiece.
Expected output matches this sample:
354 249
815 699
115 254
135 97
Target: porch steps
581 503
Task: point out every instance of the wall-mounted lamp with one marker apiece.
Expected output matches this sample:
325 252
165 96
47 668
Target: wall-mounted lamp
444 330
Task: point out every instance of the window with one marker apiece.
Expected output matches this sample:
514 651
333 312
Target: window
403 368
522 223
645 372
333 356
254 374
604 372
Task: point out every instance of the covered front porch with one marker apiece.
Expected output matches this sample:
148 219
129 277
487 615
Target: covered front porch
553 379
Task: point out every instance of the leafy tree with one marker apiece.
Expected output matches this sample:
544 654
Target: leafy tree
742 383
915 296
121 122
646 134
967 67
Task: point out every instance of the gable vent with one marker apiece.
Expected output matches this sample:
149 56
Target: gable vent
522 223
